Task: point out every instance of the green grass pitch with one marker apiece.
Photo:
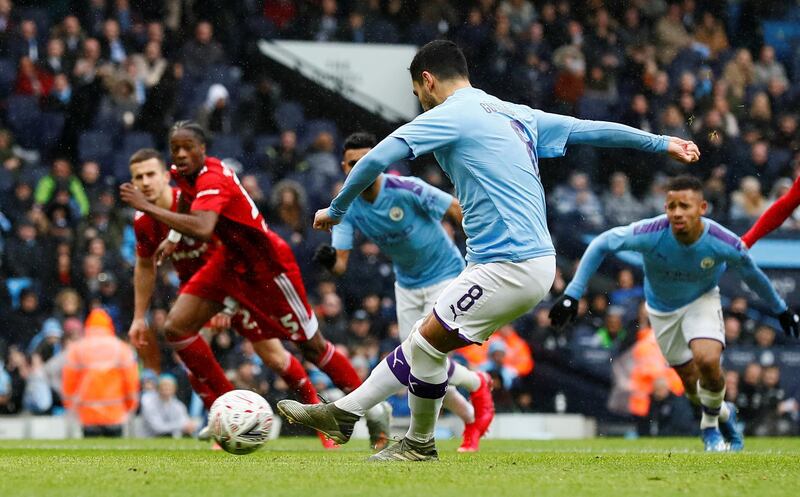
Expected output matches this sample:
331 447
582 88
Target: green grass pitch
299 467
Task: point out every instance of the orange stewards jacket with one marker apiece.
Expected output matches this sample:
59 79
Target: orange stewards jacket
100 377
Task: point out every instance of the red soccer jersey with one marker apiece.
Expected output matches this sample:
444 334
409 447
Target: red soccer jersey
250 247
189 256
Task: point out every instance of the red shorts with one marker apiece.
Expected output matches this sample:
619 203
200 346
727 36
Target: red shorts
273 305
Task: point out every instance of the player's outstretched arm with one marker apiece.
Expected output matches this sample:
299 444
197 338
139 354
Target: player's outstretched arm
566 307
615 135
760 284
454 212
775 216
196 224
385 153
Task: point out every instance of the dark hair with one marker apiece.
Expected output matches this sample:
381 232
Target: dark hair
441 58
192 126
360 139
144 154
685 182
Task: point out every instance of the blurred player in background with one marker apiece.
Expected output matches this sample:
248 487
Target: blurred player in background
775 216
490 149
149 174
403 215
684 256
252 265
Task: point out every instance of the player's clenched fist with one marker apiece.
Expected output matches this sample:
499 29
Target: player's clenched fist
564 310
323 221
683 150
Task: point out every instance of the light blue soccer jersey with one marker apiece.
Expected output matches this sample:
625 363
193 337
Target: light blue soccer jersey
675 274
405 222
490 149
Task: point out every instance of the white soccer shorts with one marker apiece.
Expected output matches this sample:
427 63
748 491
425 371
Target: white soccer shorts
414 304
699 319
485 297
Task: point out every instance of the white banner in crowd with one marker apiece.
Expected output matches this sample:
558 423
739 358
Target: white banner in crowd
372 76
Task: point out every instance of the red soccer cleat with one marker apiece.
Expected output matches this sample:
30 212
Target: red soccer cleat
471 439
327 443
484 414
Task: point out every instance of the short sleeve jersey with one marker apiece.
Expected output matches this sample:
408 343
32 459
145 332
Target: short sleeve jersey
405 222
249 244
189 255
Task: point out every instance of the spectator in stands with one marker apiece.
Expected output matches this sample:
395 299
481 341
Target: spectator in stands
764 336
37 397
202 52
768 67
733 331
26 43
520 14
71 33
60 94
16 369
739 74
619 205
777 415
711 34
780 188
215 113
671 35
25 321
748 203
332 322
113 46
749 399
24 253
285 158
358 331
760 114
89 63
151 65
31 80
55 62
579 202
5 385
61 178
613 333
163 414
103 396
495 364
326 25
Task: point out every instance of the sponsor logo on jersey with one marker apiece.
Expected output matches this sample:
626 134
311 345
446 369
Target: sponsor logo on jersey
707 263
396 214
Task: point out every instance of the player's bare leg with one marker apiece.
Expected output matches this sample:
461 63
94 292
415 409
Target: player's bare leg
704 382
150 352
277 358
187 316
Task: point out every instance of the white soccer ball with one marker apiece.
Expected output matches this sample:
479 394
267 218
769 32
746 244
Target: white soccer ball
240 421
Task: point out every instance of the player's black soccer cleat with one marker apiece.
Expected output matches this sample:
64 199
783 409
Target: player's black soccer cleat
325 256
790 322
563 311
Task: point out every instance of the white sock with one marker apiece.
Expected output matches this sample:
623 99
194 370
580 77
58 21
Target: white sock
380 384
458 405
427 385
463 377
713 405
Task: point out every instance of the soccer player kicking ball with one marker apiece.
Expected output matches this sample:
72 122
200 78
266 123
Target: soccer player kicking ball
149 174
490 149
684 257
402 215
253 266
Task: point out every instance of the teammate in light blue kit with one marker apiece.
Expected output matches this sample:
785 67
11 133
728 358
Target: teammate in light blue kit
684 257
490 149
403 215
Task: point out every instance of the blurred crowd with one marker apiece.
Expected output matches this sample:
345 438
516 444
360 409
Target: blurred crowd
84 83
